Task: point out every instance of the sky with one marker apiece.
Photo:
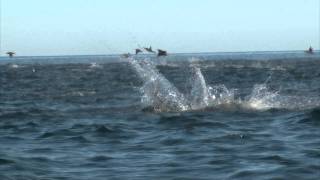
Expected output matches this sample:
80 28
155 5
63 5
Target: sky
88 27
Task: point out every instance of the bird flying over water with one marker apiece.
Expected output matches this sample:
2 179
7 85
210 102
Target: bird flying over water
11 54
149 49
138 51
162 52
310 50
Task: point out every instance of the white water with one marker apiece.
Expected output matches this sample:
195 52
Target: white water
157 91
263 99
14 66
199 95
95 65
163 96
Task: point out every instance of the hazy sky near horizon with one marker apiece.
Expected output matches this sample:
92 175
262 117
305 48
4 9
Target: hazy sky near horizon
77 27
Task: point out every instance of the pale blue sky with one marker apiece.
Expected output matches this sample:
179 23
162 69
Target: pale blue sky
75 27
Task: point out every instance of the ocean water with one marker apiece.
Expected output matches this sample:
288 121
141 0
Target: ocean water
185 116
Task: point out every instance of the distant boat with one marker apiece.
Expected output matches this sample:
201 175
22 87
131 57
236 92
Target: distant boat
11 54
309 51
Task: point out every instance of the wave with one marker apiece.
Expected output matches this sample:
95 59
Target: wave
160 95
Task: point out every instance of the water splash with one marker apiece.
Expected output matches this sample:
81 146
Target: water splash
163 96
158 92
199 95
95 65
14 66
221 95
263 99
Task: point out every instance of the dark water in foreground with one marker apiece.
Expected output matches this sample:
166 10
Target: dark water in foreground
214 116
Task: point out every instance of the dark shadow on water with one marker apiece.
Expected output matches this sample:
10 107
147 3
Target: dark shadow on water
313 117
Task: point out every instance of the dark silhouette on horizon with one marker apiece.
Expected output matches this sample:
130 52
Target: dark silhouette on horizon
310 50
149 49
162 52
138 51
11 54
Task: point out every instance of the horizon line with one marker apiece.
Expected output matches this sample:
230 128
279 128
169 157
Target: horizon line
175 53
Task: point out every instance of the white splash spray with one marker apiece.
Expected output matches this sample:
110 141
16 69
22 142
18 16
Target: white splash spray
199 95
158 92
163 96
14 66
95 65
262 99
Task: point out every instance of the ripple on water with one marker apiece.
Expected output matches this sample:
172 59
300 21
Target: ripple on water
100 158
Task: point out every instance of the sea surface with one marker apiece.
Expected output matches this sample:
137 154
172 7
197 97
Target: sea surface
185 116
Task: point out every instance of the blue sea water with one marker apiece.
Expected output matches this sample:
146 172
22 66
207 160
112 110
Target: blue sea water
184 116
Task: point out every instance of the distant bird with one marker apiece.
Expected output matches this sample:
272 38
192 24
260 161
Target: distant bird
126 55
149 49
138 51
11 54
162 52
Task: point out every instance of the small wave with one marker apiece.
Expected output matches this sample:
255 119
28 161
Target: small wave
100 131
40 150
37 159
32 124
6 161
14 114
189 121
79 139
13 138
173 141
95 65
46 135
57 133
230 137
100 158
277 159
104 129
